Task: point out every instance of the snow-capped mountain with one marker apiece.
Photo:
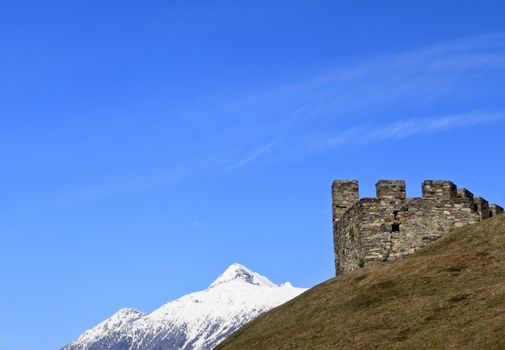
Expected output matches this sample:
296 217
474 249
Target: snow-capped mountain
198 320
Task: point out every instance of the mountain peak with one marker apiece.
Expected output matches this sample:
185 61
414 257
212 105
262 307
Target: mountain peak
240 273
197 321
129 313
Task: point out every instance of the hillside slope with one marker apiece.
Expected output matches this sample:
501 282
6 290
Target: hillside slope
448 295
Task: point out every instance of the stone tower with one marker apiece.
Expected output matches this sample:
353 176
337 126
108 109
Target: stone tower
371 230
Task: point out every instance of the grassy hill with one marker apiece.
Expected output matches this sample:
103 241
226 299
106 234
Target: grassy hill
450 295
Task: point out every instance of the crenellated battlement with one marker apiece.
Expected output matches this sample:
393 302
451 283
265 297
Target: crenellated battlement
391 225
464 194
391 189
345 193
439 190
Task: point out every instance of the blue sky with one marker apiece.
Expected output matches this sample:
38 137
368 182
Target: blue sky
146 146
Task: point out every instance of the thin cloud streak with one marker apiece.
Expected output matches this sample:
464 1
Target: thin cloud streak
350 96
426 72
337 106
334 107
264 149
367 135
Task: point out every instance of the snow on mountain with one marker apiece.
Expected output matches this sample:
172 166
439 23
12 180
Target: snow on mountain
197 321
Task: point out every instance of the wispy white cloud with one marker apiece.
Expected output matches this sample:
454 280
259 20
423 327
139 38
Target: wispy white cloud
410 77
380 98
356 97
243 160
370 134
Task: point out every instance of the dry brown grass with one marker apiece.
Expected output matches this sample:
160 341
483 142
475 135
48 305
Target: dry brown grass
450 295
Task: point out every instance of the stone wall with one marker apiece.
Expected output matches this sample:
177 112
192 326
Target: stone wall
372 230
